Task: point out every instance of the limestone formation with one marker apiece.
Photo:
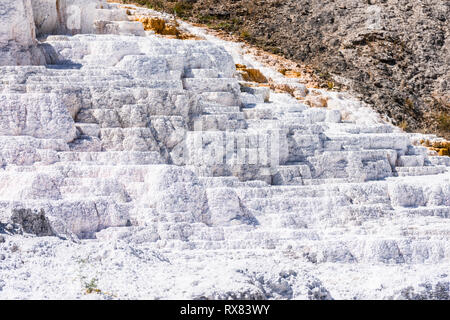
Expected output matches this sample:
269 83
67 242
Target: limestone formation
149 164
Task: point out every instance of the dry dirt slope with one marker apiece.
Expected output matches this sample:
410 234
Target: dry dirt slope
394 53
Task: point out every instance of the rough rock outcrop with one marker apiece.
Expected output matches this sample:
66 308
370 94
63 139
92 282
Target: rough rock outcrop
36 115
18 44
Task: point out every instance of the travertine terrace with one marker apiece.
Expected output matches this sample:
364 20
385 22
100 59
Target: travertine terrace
134 166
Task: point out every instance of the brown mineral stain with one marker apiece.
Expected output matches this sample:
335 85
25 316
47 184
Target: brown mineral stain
442 148
252 75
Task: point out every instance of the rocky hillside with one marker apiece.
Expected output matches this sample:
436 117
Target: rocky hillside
393 53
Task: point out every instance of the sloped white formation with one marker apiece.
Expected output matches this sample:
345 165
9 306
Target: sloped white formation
171 178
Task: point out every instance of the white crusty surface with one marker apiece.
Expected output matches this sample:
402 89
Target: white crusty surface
134 166
18 44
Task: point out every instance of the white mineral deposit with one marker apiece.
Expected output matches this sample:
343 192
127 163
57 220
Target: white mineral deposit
135 166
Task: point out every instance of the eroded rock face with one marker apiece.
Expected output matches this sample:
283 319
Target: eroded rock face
18 44
81 16
48 16
32 222
36 115
426 291
394 54
175 189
